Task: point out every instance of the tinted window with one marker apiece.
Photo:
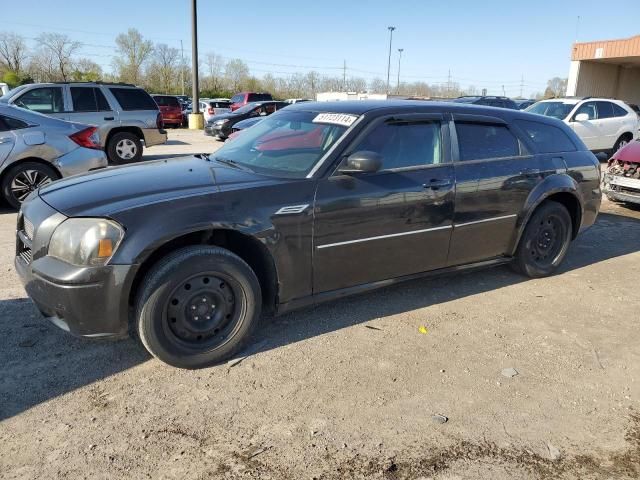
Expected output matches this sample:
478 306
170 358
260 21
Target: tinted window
618 111
478 141
237 98
547 138
103 105
404 144
83 99
43 100
259 97
9 123
166 101
220 104
133 99
605 109
589 108
558 110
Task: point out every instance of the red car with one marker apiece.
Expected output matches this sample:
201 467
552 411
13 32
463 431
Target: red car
242 98
171 110
621 181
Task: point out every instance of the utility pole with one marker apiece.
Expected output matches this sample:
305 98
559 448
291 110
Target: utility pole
391 29
504 94
344 76
400 50
196 120
182 66
449 84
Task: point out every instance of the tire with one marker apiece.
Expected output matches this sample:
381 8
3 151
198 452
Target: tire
545 241
123 148
21 179
621 142
197 307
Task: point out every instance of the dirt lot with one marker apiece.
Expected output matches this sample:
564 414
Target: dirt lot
349 389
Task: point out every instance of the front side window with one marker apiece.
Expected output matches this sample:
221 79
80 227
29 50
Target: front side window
547 138
285 144
605 109
42 100
479 141
589 108
404 144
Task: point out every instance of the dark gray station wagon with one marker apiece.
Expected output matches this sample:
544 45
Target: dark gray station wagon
316 201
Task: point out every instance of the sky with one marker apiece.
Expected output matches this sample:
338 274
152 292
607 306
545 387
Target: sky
487 44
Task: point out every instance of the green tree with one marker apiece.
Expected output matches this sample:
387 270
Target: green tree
133 52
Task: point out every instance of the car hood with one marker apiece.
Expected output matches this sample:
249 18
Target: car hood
112 190
628 153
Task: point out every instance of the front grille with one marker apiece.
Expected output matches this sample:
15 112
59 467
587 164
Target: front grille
24 237
25 254
28 228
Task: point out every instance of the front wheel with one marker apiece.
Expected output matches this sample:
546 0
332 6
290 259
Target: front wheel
545 241
198 307
23 178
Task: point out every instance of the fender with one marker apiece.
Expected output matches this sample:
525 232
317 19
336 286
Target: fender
556 183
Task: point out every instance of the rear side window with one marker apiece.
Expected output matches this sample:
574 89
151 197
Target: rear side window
9 123
403 144
605 109
219 104
83 99
43 100
167 101
103 105
618 111
547 138
478 141
133 99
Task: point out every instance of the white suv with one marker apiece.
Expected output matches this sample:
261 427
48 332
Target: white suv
604 125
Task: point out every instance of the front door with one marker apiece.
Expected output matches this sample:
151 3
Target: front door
591 131
394 222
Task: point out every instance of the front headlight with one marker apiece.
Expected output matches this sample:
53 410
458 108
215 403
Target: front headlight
221 122
85 241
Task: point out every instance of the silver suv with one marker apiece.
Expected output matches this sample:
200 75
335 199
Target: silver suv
126 115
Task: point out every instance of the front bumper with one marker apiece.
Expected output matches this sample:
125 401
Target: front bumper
153 136
86 301
621 189
83 301
80 160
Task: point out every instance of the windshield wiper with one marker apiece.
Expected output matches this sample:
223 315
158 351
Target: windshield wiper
232 163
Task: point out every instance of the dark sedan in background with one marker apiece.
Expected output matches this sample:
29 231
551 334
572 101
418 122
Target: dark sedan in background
221 125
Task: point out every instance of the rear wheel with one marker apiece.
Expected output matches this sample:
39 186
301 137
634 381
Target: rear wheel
22 179
545 241
198 307
124 147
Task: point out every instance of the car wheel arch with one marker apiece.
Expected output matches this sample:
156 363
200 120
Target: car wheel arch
560 188
244 245
137 131
6 168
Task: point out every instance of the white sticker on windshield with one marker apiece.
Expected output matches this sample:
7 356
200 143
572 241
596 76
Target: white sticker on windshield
335 119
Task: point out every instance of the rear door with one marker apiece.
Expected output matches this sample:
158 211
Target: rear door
590 130
90 106
7 138
394 222
609 123
495 174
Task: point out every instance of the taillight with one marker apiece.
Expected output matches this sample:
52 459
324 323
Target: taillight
87 138
159 123
210 111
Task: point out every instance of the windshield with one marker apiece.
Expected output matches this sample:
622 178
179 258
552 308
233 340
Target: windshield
5 98
287 143
557 110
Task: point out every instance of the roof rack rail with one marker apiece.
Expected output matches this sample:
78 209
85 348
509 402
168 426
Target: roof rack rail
99 82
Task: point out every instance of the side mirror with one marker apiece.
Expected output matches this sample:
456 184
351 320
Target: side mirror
581 117
363 161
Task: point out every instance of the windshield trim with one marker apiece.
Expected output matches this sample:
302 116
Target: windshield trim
333 148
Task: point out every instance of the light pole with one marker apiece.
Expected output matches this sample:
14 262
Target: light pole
391 29
196 120
400 50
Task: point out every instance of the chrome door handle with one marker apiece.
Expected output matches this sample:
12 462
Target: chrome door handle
435 183
530 171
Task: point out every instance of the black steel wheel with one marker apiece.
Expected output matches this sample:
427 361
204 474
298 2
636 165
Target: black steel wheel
545 240
24 178
198 306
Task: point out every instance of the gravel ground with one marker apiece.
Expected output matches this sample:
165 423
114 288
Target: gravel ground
350 389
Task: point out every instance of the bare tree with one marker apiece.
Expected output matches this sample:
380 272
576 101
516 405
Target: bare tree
133 52
215 67
556 87
236 73
378 85
13 51
86 70
165 67
61 48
